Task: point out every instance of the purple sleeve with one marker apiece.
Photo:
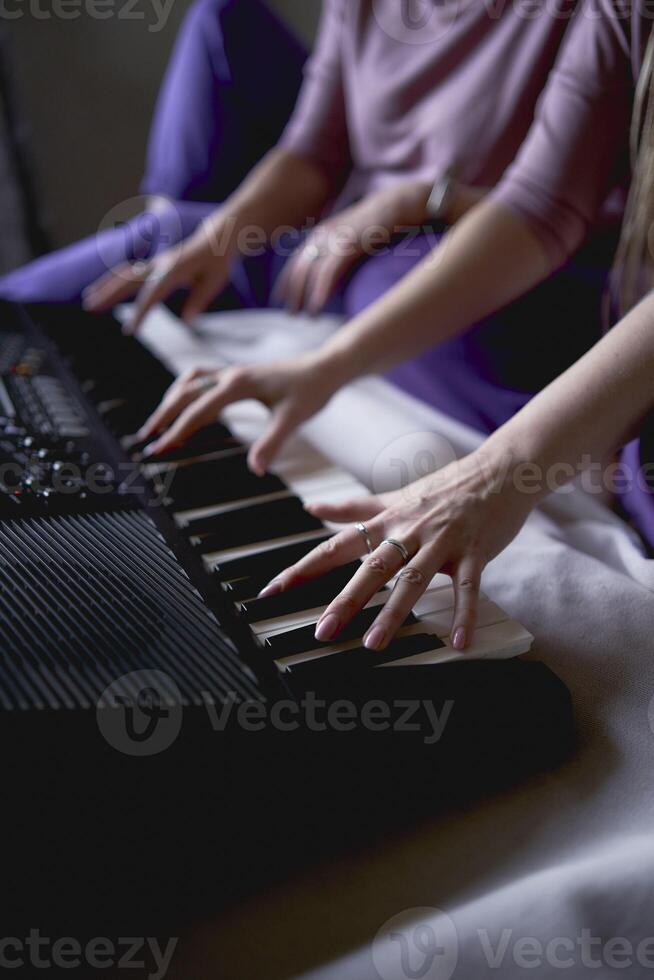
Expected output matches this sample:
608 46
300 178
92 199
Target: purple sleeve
575 151
318 127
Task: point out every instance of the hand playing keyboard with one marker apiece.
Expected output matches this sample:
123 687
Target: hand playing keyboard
294 391
454 521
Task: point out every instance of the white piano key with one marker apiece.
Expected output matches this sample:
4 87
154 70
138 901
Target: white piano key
438 623
183 517
281 624
488 614
313 477
216 557
273 627
499 641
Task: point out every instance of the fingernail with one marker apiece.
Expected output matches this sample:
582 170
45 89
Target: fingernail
459 639
327 627
375 638
150 450
273 588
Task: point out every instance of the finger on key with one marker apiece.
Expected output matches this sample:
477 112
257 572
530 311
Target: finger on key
376 570
412 582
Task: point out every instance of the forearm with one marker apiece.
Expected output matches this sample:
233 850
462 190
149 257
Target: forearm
283 190
489 258
591 410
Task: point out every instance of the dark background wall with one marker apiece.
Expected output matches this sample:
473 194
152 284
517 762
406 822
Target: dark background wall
87 88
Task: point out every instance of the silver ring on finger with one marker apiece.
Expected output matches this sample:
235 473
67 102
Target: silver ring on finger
398 547
313 252
365 534
142 269
204 384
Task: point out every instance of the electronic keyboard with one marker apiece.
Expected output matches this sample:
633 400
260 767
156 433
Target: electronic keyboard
114 568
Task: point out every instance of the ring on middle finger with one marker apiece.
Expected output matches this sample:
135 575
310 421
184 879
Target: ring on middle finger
398 547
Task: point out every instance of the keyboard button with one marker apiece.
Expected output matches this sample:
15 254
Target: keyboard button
302 639
217 481
212 439
263 566
353 661
248 525
309 595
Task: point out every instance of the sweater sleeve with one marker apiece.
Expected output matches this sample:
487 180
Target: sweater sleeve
318 127
576 149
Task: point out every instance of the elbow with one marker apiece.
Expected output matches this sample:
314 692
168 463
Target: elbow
559 228
560 240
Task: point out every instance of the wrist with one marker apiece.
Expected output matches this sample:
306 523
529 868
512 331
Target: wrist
335 362
520 465
411 207
223 229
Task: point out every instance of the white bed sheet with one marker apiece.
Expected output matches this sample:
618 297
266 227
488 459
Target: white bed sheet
568 851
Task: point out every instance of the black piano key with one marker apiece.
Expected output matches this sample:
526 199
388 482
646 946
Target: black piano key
241 588
211 439
215 482
309 595
263 566
256 522
348 662
123 416
302 638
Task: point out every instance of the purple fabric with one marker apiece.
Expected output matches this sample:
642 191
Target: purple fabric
399 89
216 116
486 374
218 113
638 500
229 90
577 152
62 276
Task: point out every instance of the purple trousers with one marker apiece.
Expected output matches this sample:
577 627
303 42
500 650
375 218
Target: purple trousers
230 87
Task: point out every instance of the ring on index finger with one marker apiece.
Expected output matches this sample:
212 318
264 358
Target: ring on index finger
365 534
313 252
142 269
204 384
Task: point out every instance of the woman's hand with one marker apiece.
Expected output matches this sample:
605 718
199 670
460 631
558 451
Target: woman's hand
201 262
293 390
312 275
454 521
